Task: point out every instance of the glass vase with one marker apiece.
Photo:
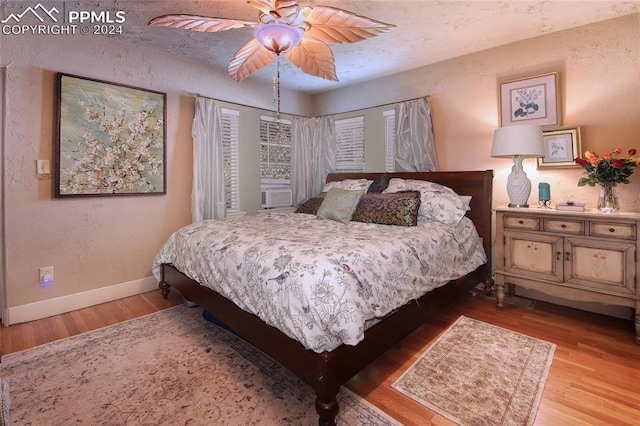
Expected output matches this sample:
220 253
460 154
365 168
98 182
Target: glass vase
608 200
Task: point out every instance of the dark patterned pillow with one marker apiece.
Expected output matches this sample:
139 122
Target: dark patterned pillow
379 184
398 208
310 206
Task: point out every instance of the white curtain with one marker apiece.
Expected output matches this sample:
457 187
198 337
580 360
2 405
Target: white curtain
301 160
415 143
323 155
208 194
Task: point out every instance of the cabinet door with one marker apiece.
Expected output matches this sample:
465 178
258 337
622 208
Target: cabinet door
534 255
604 266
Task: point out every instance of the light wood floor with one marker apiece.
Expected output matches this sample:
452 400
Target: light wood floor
594 378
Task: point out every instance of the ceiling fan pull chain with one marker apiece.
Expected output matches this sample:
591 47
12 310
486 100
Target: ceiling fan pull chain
278 135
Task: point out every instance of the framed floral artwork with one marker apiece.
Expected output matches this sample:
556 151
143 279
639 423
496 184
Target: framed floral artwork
561 148
110 139
532 100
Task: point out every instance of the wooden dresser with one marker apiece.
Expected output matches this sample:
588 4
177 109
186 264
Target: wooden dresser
581 256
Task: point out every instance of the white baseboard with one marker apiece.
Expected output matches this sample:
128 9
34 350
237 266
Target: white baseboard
72 302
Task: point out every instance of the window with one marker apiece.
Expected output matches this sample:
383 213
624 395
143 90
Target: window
275 151
350 145
390 140
230 141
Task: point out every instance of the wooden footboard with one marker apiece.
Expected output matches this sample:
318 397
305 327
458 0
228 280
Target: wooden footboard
326 372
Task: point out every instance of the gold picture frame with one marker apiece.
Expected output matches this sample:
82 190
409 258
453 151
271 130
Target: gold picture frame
561 148
530 101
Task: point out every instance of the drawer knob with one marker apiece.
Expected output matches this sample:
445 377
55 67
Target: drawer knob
563 226
521 222
612 230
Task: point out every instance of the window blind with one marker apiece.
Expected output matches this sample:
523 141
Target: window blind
230 140
390 140
275 150
350 145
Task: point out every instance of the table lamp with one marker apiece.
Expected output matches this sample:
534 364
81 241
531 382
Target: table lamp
518 142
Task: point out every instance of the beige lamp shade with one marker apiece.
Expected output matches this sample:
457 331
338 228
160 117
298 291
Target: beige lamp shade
518 142
523 141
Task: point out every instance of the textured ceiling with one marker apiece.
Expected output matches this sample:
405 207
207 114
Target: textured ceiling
426 31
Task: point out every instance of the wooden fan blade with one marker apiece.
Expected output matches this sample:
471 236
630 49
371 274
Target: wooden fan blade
199 23
283 10
250 58
315 58
333 25
264 6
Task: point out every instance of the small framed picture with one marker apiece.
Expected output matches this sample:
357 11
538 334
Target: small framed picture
561 147
532 100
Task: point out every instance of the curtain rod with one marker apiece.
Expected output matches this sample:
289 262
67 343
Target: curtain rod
377 106
246 106
316 116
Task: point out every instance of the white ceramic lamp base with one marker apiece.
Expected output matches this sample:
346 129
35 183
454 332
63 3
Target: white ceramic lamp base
518 185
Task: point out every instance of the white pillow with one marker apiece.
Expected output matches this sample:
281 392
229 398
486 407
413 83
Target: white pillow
466 199
437 202
350 184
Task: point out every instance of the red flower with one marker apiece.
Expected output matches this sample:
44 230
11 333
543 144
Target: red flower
581 161
607 169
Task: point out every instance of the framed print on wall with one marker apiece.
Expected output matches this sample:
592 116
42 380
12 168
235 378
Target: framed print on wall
110 139
532 100
561 148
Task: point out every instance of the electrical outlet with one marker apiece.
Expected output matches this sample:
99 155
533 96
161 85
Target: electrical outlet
46 274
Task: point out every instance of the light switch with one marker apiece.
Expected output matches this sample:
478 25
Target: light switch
42 167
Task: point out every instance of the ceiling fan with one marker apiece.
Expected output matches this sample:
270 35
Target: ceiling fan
302 34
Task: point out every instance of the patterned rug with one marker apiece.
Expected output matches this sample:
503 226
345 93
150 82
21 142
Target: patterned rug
167 368
480 374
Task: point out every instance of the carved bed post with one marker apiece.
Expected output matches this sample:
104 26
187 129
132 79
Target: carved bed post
166 288
488 286
326 390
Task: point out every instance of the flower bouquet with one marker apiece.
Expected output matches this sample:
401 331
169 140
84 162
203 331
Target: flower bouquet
607 171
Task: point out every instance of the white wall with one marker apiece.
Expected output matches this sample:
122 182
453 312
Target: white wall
103 242
3 295
599 68
100 244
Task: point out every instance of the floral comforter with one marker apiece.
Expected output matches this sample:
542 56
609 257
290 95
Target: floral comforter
321 281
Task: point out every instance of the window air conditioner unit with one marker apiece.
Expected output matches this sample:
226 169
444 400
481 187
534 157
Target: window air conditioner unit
276 197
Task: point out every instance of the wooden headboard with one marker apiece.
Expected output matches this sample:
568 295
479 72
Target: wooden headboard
477 184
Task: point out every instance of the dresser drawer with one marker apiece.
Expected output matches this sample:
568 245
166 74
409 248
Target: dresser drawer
521 222
626 231
564 226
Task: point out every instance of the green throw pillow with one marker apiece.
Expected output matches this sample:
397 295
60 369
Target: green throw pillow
339 204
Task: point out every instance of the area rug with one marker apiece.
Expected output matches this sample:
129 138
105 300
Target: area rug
167 368
480 374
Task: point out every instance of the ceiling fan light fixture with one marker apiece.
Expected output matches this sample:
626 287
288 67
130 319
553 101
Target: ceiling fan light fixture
278 38
303 34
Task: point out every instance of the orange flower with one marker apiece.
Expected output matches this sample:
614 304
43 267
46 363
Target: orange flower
608 169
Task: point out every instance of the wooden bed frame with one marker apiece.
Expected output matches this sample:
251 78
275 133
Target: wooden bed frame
326 372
